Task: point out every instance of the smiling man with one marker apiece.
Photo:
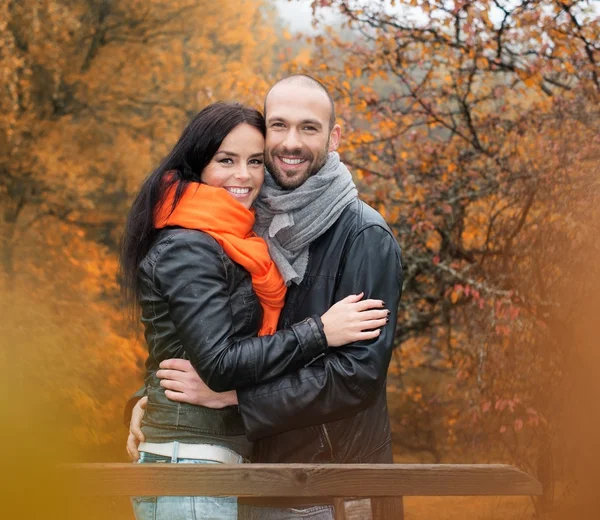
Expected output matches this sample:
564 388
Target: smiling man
327 244
301 130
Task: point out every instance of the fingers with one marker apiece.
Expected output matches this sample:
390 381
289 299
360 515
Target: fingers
364 305
132 448
371 324
183 365
135 425
175 375
369 334
136 430
381 314
143 402
352 298
176 396
169 384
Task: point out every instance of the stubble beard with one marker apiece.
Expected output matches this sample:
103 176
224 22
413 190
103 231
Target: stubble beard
290 183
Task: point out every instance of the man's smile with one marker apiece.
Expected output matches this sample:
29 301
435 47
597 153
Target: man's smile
291 161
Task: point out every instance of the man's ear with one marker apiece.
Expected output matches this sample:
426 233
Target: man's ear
334 138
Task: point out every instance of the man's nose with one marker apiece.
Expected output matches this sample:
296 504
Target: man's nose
291 141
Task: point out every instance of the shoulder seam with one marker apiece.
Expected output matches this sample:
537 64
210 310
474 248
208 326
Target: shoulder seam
196 232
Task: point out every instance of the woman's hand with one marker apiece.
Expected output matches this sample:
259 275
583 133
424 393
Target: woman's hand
135 428
352 320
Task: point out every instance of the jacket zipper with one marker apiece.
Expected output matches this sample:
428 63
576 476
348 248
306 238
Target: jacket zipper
328 442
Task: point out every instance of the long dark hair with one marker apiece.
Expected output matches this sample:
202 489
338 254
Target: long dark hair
195 148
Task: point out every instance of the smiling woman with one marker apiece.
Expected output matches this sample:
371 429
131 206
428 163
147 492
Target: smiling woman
188 225
238 165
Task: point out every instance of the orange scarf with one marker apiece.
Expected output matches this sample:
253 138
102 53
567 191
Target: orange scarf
217 213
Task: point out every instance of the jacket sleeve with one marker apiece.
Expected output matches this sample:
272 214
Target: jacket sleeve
344 380
191 275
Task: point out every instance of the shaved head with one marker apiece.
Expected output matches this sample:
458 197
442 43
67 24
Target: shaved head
305 81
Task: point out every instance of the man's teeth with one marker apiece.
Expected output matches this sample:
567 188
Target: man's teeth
239 191
291 161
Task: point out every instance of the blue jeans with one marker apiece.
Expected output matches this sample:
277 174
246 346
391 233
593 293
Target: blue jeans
273 513
182 508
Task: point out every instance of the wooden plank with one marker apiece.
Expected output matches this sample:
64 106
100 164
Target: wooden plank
387 508
299 480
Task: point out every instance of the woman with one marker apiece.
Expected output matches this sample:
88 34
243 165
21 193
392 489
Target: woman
209 292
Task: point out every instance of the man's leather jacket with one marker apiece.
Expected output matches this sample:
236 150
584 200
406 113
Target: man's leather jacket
334 409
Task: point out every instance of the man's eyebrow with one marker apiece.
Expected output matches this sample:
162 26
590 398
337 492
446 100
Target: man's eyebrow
314 122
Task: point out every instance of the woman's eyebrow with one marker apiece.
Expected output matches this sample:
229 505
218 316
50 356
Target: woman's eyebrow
233 154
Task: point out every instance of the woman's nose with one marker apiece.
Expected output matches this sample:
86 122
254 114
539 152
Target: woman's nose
242 172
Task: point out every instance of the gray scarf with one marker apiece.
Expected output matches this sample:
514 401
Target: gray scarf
289 220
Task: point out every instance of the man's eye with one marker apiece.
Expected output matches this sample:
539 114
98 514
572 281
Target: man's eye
277 125
310 128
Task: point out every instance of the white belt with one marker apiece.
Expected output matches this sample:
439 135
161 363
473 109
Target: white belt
180 450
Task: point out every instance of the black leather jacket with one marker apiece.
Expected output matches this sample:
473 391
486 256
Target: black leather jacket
334 409
199 305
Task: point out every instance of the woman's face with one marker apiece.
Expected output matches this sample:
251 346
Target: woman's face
238 166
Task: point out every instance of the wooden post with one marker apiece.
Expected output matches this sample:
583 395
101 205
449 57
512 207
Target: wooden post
387 508
339 508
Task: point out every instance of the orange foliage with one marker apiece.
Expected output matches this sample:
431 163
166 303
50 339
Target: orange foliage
473 126
95 93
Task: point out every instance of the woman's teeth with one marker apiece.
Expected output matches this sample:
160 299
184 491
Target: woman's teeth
239 191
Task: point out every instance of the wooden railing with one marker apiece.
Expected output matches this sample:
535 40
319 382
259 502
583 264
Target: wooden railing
383 484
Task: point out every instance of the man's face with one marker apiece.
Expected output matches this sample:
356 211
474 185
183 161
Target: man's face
298 134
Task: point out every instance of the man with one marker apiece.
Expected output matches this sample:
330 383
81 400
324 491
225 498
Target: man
328 244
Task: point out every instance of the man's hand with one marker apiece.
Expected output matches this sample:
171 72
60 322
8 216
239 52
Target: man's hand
135 429
182 383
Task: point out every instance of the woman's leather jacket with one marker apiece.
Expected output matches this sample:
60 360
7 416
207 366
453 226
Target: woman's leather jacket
198 304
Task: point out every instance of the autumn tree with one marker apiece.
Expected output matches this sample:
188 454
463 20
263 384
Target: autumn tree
94 93
473 127
95 90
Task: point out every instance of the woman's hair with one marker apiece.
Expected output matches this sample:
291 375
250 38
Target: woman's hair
184 164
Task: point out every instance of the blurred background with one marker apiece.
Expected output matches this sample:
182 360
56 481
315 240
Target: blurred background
472 126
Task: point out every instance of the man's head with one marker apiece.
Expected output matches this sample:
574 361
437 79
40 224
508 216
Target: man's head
301 129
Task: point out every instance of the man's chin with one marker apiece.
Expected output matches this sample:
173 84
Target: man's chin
291 180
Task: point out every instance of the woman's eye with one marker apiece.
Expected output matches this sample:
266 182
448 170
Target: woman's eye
227 160
256 161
